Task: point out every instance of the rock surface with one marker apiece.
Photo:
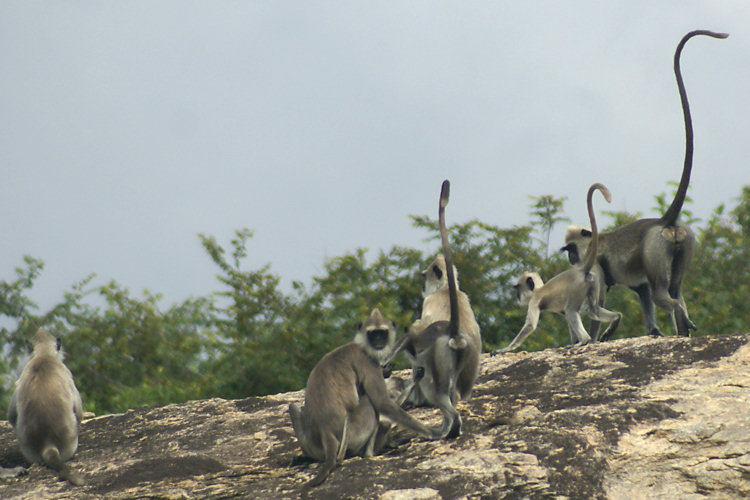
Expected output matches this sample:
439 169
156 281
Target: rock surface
633 418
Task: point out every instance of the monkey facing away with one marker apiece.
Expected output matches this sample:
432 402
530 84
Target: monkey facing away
46 408
567 292
345 396
650 256
444 344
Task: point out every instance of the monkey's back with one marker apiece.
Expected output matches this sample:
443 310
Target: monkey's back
437 307
46 408
334 379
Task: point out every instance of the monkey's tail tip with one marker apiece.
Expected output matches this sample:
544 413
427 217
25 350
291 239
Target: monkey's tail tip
51 457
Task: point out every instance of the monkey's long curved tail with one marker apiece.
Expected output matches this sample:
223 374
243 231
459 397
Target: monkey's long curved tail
51 456
594 246
445 191
670 216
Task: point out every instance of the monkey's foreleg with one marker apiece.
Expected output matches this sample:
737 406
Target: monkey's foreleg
527 329
344 443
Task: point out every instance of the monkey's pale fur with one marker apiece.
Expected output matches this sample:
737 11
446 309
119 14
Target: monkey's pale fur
566 293
46 408
436 307
345 396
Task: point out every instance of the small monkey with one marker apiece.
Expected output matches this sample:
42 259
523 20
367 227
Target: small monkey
46 408
444 345
345 396
650 256
567 292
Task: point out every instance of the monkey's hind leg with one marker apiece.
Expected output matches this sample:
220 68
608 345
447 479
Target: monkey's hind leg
410 386
51 456
605 315
9 473
452 424
575 325
330 447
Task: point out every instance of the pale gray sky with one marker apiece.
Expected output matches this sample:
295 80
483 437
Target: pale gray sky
127 128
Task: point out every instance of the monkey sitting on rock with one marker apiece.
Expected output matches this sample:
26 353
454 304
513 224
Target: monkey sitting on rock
46 408
345 396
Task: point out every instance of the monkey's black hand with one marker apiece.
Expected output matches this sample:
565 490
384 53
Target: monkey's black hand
387 370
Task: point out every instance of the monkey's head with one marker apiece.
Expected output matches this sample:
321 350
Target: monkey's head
376 336
436 277
527 283
577 240
44 343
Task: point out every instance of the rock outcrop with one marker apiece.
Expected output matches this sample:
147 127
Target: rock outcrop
635 418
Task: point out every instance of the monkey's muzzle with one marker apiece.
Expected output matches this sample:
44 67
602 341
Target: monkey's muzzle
378 339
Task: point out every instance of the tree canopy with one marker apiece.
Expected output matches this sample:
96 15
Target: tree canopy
250 337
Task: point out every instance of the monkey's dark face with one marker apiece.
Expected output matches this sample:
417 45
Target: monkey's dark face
378 338
572 250
517 291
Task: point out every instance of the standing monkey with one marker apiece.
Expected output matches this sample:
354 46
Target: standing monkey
444 345
344 398
46 408
567 292
651 256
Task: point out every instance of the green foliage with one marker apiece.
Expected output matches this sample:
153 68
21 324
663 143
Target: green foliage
545 213
252 338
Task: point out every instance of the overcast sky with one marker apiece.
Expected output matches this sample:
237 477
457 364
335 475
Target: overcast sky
127 128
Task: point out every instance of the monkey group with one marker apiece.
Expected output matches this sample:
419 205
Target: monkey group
444 345
348 409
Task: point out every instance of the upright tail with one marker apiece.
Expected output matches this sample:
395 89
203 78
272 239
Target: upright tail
670 216
452 293
593 248
51 457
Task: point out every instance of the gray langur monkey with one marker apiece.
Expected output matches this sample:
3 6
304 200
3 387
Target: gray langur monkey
46 408
345 396
567 292
650 256
444 344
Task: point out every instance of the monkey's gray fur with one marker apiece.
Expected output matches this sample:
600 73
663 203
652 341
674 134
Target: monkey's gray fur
345 396
444 345
650 256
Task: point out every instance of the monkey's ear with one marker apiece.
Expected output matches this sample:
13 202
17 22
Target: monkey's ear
59 343
530 283
585 233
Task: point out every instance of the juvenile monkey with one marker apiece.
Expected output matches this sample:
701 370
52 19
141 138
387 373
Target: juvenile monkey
650 256
567 292
444 345
345 396
46 408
